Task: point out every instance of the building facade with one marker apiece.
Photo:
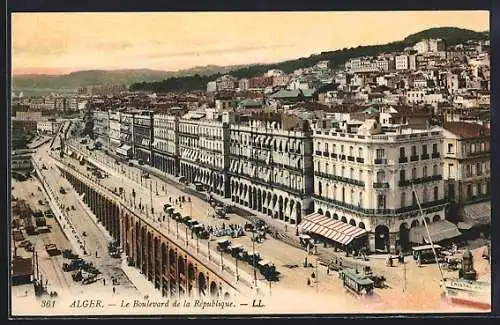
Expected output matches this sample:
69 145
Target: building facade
166 145
271 170
143 136
366 181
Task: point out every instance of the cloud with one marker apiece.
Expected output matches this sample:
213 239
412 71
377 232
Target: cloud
39 49
233 49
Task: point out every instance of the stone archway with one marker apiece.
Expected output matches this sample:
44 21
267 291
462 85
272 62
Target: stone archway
437 217
214 291
327 214
352 222
404 237
343 219
202 284
335 216
361 225
320 211
382 238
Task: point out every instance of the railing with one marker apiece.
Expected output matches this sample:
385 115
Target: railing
435 155
334 155
384 212
360 160
421 180
424 156
403 160
318 153
350 158
414 158
325 154
380 185
380 161
340 179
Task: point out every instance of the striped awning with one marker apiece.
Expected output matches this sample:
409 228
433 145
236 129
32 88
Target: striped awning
335 230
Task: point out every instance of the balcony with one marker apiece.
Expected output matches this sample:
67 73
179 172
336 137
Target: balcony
403 160
342 157
380 161
325 154
340 179
414 158
350 158
360 160
318 153
333 155
424 156
430 206
380 185
435 155
421 180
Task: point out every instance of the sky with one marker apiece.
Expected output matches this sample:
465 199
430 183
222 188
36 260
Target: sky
58 43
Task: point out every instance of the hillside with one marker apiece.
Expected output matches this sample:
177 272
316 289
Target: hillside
40 84
451 35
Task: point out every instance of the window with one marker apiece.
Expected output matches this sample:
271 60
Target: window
361 175
319 166
360 152
381 201
401 152
351 151
342 149
334 148
435 170
469 191
326 147
326 168
436 193
380 177
360 203
424 195
434 148
424 171
403 199
352 173
451 173
413 199
320 189
413 173
343 172
479 170
424 149
413 150
402 175
468 171
380 153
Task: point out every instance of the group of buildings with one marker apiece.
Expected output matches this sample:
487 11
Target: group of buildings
362 169
351 150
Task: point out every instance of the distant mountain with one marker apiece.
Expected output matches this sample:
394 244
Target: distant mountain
40 84
451 35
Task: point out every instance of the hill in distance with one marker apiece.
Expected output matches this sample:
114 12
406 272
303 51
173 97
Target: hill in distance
35 83
196 78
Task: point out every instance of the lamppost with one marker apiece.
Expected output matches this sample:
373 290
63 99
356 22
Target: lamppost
253 262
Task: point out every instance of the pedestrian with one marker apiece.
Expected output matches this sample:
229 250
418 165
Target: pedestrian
313 275
103 281
328 270
308 282
96 254
114 290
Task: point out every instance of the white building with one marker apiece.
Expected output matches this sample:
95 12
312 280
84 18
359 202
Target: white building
402 62
364 179
211 86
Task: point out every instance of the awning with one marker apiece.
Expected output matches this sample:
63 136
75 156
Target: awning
476 215
439 231
335 230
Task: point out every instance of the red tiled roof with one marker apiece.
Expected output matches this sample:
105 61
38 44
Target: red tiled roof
466 130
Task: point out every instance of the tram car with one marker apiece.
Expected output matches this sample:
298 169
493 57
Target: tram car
356 283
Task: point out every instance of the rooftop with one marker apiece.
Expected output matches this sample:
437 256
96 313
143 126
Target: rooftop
466 130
